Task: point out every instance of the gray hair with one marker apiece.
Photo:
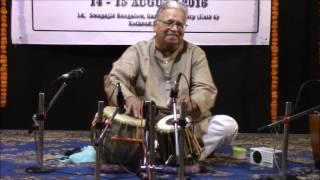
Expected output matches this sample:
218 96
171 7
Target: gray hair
172 4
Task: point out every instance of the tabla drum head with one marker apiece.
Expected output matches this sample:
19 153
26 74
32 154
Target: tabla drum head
123 118
166 124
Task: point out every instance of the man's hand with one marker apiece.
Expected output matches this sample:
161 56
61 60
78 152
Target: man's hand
192 108
134 106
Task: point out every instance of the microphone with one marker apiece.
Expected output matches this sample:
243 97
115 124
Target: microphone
73 74
120 100
175 89
268 126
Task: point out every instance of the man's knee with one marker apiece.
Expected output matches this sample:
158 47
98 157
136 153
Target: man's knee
229 124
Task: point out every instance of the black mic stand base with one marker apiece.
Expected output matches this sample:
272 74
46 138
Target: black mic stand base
37 169
282 177
184 178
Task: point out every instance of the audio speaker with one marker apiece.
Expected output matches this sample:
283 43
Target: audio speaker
264 156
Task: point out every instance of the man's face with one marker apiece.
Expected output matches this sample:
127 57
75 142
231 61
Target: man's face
169 28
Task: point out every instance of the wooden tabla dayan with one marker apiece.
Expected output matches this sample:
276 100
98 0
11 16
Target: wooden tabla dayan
314 125
123 144
166 140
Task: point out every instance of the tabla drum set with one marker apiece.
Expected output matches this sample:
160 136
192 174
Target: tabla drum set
125 142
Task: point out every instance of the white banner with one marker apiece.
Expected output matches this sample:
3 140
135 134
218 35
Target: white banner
124 22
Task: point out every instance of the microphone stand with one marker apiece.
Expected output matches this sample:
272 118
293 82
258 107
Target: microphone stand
288 109
173 94
286 120
107 127
182 124
39 120
292 117
99 126
101 136
150 134
55 97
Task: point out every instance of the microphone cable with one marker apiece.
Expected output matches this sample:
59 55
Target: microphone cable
301 88
191 102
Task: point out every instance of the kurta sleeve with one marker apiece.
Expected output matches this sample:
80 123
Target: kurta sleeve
123 71
203 90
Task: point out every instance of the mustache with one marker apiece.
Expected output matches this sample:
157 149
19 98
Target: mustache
172 34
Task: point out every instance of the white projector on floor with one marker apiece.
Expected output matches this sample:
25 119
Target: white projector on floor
264 156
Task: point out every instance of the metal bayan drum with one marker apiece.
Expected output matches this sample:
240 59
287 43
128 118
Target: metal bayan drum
123 144
166 140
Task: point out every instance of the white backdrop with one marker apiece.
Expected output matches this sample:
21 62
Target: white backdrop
124 22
